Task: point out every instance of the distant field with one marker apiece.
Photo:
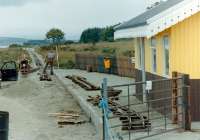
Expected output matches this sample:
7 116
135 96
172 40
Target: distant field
67 52
11 54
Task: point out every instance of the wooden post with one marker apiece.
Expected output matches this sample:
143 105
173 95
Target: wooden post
57 56
174 98
142 45
186 103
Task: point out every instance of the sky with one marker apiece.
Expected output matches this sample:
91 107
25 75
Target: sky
31 19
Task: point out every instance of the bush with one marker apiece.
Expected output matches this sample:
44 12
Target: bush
47 47
68 65
129 53
90 49
109 51
72 50
15 46
68 42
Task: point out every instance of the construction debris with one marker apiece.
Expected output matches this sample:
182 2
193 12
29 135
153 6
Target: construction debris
67 118
82 82
94 100
135 122
131 120
24 66
113 93
45 77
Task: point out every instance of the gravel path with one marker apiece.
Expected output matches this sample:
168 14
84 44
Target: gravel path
29 101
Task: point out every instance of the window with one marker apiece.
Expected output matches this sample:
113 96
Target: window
139 51
153 42
166 54
153 54
153 59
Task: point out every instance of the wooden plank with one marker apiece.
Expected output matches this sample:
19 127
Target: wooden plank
63 114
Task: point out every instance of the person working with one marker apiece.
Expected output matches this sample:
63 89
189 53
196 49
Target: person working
50 61
107 65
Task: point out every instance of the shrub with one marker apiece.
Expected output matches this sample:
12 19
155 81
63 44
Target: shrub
129 53
90 49
109 51
68 65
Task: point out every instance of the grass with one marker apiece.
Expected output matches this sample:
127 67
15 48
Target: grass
12 54
67 52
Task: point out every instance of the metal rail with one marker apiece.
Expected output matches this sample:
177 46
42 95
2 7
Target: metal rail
146 120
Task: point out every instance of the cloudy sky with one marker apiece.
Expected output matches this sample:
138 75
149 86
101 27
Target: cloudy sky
33 18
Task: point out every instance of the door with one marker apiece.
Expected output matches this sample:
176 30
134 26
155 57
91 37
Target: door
9 71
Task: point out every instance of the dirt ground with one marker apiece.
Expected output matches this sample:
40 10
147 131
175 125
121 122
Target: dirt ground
29 101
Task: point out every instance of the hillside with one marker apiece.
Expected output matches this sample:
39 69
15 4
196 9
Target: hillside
67 52
5 41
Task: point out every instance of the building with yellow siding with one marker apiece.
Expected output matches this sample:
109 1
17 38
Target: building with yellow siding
167 39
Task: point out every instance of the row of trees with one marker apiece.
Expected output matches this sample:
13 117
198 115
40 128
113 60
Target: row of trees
94 35
91 35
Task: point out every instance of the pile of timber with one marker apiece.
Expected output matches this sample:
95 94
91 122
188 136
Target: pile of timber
113 93
130 119
82 82
94 100
45 77
67 118
135 122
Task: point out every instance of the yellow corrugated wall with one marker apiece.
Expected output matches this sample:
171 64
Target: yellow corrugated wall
148 53
185 47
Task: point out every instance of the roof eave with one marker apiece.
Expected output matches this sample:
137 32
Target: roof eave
162 21
140 31
120 27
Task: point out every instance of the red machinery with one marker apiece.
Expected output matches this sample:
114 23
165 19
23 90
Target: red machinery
24 66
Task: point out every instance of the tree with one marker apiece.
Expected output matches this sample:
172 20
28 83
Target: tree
91 35
56 35
108 34
94 35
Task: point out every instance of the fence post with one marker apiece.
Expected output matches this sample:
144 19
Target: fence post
186 103
102 89
174 98
105 109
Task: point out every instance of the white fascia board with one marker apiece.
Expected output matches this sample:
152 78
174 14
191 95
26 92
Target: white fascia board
140 31
172 16
162 21
168 11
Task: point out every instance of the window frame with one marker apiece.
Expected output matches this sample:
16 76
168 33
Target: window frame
154 60
139 49
153 44
166 52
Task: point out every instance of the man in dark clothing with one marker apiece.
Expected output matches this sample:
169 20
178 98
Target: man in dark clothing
50 61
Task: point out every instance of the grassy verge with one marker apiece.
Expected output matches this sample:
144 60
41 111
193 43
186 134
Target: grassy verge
12 54
67 52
